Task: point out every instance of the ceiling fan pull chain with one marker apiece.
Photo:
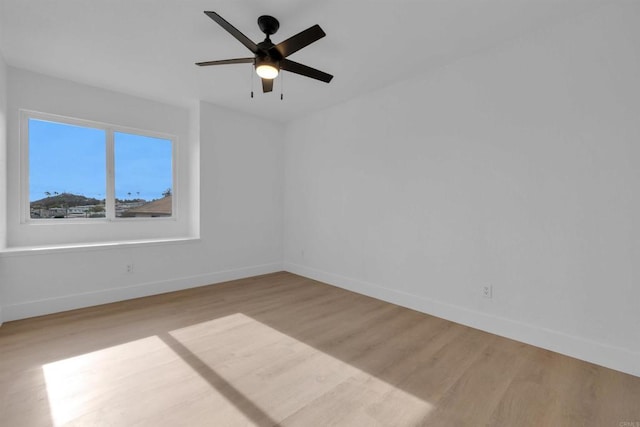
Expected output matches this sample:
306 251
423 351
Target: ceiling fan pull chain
251 77
281 87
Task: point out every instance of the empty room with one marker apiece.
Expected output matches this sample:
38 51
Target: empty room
304 213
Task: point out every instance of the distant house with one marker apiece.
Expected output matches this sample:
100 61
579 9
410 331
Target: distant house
57 212
122 207
157 208
79 211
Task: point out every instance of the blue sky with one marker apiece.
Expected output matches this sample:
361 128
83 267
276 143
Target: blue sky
72 159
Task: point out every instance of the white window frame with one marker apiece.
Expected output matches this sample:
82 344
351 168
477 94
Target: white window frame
109 129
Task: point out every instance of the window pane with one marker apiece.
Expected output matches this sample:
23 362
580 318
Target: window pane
67 170
143 176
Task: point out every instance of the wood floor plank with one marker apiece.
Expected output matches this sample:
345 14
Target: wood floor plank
281 349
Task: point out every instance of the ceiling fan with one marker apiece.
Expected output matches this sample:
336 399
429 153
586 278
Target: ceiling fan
270 58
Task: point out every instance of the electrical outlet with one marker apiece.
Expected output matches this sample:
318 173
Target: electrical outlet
129 268
487 291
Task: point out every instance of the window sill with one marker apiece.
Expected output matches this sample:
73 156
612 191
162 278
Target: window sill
100 246
38 222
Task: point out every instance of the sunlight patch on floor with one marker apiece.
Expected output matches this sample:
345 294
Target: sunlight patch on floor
289 378
126 384
232 370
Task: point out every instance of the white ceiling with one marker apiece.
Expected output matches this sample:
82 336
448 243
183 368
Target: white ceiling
148 47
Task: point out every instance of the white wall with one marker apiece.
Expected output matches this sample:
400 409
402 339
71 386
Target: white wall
241 189
3 151
3 167
518 167
239 159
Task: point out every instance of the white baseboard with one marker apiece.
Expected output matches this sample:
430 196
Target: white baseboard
605 355
88 299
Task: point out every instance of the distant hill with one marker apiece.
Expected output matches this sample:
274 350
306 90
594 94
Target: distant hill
64 200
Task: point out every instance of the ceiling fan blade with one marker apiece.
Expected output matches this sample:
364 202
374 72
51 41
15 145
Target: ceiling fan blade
227 61
300 40
233 31
304 70
267 85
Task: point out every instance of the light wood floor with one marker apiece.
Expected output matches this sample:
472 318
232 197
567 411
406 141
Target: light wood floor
284 350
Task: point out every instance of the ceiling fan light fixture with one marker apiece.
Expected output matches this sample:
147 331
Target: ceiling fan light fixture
267 71
267 67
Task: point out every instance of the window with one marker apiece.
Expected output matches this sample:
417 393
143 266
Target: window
143 173
79 170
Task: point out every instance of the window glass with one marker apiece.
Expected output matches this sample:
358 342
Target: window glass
70 174
67 170
143 175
